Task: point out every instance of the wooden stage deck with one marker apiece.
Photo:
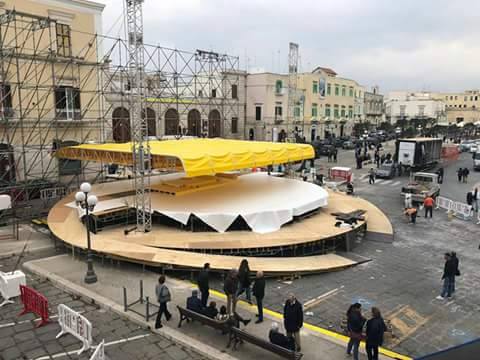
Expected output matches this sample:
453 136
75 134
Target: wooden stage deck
165 246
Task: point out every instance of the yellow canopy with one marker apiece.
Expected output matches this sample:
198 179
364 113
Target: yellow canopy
196 157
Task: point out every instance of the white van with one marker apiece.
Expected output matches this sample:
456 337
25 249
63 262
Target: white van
476 161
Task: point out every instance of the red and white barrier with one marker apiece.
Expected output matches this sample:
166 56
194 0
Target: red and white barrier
443 203
34 302
99 353
456 207
71 322
10 285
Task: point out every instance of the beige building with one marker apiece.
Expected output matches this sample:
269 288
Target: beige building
49 88
324 105
461 107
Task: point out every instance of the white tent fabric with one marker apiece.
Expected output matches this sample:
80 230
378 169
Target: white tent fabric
264 202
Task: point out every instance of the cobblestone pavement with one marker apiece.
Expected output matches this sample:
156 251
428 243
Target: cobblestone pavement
404 277
19 339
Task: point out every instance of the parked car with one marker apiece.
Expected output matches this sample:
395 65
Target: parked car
465 145
386 170
347 145
473 148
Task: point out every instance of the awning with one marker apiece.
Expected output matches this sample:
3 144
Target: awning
195 157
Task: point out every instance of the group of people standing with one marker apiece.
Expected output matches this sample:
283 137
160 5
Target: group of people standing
372 332
462 174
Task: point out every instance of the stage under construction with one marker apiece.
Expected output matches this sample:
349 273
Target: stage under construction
60 86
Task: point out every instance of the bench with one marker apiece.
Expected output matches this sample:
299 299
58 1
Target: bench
239 335
186 314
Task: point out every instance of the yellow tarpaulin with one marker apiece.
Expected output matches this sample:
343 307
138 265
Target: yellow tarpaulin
196 157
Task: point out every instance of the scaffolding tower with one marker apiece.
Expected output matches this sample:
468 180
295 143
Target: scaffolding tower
60 86
140 142
293 97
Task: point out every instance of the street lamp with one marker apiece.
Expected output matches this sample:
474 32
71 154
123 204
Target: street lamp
87 202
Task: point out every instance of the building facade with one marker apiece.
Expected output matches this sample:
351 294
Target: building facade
461 107
402 106
373 103
49 87
325 105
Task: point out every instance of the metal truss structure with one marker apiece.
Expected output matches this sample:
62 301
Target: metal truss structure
60 86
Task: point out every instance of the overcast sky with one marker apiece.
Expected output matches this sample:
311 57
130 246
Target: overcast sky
398 45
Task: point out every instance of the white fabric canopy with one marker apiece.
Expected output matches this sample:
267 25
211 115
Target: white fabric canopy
264 202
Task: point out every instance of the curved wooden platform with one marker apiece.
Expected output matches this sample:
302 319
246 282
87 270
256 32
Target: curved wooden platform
172 247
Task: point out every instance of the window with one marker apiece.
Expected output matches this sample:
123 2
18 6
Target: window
456 97
342 112
421 110
66 166
6 100
214 93
329 89
402 110
337 90
327 110
451 97
278 86
471 98
296 111
234 91
314 110
465 98
67 103
315 87
476 98
350 112
278 111
350 91
344 91
465 105
200 93
234 126
63 40
258 112
335 111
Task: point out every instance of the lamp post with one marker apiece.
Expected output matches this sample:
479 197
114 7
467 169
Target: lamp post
87 202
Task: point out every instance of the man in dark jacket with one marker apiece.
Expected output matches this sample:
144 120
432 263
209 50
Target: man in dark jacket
230 287
375 329
440 175
194 303
203 283
448 277
293 319
259 293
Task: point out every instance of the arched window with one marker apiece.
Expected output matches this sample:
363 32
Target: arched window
121 125
171 122
194 123
214 124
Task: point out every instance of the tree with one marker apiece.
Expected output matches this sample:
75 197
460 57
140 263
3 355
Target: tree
385 126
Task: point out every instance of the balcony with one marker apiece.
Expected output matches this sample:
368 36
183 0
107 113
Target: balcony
279 91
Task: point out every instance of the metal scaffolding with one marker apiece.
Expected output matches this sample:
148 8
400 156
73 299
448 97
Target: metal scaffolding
60 86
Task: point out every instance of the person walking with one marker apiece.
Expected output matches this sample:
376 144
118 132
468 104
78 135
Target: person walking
259 293
376 156
460 174
244 280
375 329
470 200
355 322
163 297
203 283
465 174
428 203
440 175
230 287
447 277
371 176
293 319
335 153
408 201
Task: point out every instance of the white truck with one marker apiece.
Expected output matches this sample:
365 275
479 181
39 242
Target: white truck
421 185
